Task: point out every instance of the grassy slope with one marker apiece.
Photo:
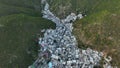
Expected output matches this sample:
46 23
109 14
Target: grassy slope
20 24
100 28
22 6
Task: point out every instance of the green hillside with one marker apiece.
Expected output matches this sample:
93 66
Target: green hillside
21 22
100 28
20 25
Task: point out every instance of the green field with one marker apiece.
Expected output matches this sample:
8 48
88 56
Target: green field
21 22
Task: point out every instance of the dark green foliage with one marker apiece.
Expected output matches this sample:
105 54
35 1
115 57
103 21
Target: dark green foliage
20 25
16 36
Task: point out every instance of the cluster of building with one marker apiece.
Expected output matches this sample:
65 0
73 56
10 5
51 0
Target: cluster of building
58 47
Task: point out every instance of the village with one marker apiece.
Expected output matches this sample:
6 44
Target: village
58 47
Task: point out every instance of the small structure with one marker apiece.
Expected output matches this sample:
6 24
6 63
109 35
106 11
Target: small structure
50 65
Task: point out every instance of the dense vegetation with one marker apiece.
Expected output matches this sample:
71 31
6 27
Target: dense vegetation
21 22
20 25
